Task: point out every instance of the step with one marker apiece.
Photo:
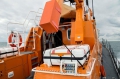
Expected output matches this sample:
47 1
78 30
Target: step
32 32
27 52
29 46
31 36
31 41
34 58
36 63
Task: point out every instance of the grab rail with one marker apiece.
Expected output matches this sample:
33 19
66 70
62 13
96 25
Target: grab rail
37 35
29 22
116 62
34 37
24 23
1 62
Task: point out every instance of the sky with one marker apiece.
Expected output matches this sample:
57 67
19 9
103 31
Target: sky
107 14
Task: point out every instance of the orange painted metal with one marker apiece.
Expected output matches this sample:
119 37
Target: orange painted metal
37 49
21 65
18 72
15 65
103 73
95 73
72 37
21 49
54 76
25 65
2 71
89 34
29 38
81 30
12 62
29 64
79 23
50 17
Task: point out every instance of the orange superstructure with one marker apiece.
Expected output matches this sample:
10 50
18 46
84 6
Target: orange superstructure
82 29
64 45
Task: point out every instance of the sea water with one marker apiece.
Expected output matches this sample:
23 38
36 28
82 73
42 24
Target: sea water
3 44
116 48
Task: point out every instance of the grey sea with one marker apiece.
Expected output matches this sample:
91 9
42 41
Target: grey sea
3 44
115 45
116 48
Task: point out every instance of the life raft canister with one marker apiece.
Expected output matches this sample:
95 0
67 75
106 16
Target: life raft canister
11 41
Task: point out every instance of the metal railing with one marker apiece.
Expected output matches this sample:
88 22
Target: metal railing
116 62
25 27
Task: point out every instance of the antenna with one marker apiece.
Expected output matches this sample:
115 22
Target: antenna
93 10
87 3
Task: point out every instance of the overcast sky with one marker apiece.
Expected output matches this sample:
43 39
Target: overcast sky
107 13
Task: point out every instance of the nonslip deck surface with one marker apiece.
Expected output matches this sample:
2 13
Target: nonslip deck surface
108 65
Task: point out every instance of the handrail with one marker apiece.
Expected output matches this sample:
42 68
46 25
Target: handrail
18 43
25 19
38 35
97 35
37 16
34 37
87 74
115 61
36 13
29 13
24 22
29 22
1 62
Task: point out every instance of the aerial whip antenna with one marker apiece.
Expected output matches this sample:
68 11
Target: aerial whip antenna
93 10
87 3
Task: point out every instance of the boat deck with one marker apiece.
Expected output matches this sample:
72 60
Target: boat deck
111 72
108 65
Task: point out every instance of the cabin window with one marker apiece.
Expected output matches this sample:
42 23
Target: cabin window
68 33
